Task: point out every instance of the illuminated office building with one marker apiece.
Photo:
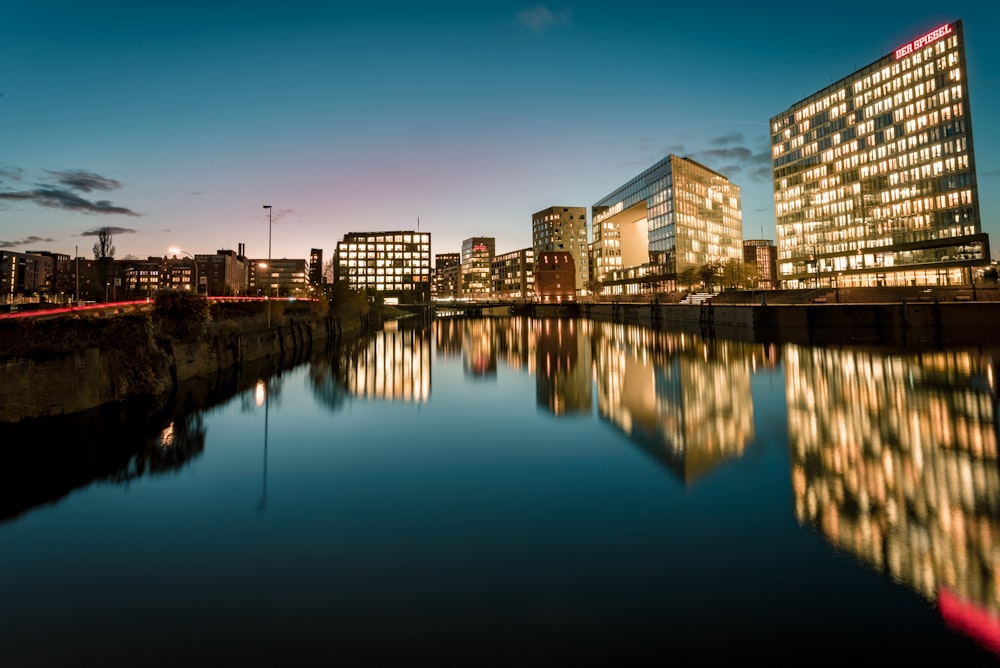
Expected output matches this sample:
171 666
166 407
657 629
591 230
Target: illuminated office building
445 283
760 262
477 260
564 228
513 274
396 266
874 176
676 215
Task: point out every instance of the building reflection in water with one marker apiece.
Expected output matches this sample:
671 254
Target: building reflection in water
393 364
684 401
479 342
562 365
894 459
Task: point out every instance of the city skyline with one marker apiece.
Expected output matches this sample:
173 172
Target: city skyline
174 127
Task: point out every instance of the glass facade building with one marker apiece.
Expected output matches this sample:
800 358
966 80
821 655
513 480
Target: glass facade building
477 261
678 214
874 175
393 265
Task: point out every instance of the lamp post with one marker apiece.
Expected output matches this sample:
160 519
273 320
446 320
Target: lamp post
268 207
197 289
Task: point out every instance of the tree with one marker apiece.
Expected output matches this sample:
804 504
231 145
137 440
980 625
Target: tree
104 248
104 253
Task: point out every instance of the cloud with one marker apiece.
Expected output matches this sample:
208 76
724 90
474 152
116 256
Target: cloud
27 241
86 182
58 193
110 230
540 18
724 140
63 199
11 173
990 174
734 156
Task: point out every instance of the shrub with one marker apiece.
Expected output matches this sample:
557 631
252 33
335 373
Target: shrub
181 315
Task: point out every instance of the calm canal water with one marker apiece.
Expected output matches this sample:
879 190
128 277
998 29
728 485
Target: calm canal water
519 492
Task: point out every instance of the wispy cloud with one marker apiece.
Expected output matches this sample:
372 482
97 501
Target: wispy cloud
736 157
11 173
990 174
64 199
58 191
27 241
78 179
540 18
97 231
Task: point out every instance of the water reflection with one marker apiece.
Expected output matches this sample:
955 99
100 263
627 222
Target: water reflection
44 460
683 400
563 366
393 364
894 459
890 458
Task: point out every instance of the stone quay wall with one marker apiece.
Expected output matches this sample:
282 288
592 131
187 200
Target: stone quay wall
136 364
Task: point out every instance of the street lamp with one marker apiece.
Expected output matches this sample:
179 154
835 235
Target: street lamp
197 289
267 297
268 207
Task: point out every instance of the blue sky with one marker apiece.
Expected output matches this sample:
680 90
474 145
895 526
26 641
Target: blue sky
176 124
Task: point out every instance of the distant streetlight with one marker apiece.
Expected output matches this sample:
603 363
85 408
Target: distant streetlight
268 207
197 289
267 296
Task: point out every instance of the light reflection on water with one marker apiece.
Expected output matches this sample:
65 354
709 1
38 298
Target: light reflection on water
519 489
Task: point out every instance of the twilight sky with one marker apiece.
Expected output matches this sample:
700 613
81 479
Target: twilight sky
175 123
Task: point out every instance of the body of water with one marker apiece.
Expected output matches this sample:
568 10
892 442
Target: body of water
517 491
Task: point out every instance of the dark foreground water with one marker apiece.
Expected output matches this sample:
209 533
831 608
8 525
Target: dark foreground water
519 492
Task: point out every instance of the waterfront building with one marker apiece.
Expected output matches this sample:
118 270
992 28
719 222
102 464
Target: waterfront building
875 177
513 274
447 269
316 267
282 277
564 228
555 277
140 279
477 259
760 265
222 274
394 265
675 216
24 274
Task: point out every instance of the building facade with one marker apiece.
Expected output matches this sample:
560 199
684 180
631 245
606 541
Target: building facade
874 175
316 267
278 277
564 228
555 277
513 275
676 215
477 260
447 269
760 263
395 266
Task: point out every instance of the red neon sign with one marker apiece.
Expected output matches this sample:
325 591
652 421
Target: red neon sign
921 42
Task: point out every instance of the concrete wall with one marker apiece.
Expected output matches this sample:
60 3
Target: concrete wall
65 383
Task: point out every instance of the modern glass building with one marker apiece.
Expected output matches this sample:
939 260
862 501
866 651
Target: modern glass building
477 260
564 228
393 265
676 215
874 175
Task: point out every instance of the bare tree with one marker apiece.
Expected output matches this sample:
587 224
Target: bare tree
104 248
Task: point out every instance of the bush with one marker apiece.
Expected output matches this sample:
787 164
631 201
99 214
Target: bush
181 315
